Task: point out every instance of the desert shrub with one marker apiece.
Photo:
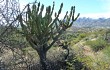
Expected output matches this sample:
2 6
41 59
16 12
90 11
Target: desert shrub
97 45
90 63
74 64
79 36
76 40
107 51
82 35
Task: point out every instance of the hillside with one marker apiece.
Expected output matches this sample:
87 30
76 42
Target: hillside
85 53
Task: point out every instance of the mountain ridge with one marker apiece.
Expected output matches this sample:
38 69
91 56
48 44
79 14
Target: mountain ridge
91 22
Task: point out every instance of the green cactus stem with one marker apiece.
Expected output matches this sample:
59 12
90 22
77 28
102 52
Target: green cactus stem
41 31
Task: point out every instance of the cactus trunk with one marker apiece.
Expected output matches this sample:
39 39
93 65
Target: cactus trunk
43 60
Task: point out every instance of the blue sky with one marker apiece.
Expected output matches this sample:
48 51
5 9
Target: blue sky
87 8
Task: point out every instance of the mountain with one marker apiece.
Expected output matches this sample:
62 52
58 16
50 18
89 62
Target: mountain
90 22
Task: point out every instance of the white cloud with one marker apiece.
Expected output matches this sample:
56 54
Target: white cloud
96 15
90 15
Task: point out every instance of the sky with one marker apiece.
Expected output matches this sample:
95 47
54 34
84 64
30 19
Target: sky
86 8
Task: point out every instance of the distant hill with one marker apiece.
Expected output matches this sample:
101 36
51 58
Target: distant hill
90 22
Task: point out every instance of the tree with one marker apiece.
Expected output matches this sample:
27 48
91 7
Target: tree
9 10
42 32
10 40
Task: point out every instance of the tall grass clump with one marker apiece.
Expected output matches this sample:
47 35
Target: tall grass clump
97 44
107 51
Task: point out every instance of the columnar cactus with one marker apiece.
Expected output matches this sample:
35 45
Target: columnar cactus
42 32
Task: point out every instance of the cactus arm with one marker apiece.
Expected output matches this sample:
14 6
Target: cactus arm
52 8
54 40
38 8
33 45
59 12
67 24
24 28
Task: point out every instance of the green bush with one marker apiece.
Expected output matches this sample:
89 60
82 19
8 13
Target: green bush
90 64
83 35
76 40
78 37
97 45
107 51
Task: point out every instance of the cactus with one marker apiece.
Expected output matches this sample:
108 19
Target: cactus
42 32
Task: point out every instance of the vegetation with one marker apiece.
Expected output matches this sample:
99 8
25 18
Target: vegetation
43 43
107 51
40 31
97 45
